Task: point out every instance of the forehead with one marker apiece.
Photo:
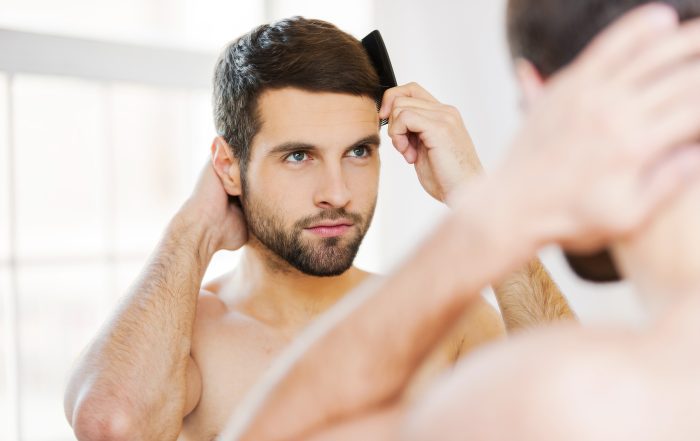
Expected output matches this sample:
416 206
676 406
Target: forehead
318 118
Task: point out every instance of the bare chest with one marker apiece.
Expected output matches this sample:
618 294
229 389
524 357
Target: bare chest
232 354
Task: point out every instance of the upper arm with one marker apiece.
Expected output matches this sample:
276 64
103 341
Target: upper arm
193 387
479 324
208 305
529 297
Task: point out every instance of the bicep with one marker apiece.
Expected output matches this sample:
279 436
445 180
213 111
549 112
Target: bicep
480 324
193 391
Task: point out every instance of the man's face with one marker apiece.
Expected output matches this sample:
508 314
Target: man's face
311 183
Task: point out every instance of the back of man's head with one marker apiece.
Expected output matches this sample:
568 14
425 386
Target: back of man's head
551 33
311 55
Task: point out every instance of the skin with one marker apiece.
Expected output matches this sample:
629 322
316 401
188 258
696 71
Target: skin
204 347
593 384
609 184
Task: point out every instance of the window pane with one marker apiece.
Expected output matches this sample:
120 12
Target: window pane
155 140
59 163
185 23
60 309
4 174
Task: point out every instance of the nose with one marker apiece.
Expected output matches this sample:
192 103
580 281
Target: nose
332 190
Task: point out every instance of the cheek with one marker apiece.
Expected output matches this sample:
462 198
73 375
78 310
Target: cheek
286 198
364 184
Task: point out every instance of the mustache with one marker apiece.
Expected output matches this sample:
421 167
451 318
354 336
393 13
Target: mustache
329 214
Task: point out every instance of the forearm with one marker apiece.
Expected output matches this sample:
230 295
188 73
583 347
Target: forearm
363 352
529 297
137 364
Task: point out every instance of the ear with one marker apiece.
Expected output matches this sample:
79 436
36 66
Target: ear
226 165
530 81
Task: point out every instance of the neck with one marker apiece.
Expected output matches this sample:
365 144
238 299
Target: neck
279 294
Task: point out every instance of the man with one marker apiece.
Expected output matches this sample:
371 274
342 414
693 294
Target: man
596 165
606 383
294 104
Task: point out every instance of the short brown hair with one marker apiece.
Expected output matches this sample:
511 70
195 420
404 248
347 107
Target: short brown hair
312 55
551 33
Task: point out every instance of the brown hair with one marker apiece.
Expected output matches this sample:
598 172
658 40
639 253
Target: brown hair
309 54
551 33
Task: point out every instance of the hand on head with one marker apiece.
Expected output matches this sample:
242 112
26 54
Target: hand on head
615 134
431 136
211 206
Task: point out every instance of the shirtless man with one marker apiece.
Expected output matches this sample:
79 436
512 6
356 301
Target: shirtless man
591 183
600 384
295 109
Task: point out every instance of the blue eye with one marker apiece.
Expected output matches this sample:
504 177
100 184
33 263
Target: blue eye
296 157
359 152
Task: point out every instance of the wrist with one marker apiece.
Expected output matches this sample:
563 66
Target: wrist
503 221
473 173
187 226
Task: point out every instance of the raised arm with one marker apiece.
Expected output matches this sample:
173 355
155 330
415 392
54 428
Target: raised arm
432 136
136 380
528 297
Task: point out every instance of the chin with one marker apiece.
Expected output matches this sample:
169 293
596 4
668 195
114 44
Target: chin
325 271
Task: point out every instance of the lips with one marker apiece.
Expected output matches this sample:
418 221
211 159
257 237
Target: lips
330 228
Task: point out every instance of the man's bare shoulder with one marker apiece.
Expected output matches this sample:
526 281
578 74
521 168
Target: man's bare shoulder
231 349
576 383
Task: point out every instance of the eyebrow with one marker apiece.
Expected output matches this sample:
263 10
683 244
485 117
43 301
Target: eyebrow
293 146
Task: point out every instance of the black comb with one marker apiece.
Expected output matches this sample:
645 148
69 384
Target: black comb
374 45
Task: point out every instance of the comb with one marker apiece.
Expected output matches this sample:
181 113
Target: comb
374 45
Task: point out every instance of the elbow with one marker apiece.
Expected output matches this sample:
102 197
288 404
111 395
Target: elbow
93 422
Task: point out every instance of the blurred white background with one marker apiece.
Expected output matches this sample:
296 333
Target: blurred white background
105 121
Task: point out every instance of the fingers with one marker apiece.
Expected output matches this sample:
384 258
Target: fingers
671 49
677 91
674 111
625 37
669 176
412 90
437 109
407 122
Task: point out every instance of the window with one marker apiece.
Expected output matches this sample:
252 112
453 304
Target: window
105 122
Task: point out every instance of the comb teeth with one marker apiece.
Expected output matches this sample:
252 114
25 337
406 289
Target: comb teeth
378 101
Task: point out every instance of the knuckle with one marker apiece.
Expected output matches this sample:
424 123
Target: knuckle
453 113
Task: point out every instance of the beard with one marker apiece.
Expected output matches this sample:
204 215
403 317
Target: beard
321 257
